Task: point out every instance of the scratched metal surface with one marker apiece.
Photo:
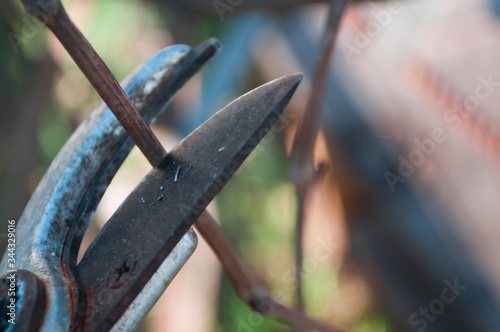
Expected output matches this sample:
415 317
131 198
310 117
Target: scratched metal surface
192 173
76 180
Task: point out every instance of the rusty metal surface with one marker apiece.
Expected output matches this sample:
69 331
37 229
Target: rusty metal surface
151 221
58 213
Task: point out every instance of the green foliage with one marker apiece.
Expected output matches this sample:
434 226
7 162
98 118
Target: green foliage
54 132
372 323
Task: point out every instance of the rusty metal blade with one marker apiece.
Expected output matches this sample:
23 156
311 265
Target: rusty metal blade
60 209
167 202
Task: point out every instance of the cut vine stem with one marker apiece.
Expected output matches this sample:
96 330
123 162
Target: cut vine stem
303 171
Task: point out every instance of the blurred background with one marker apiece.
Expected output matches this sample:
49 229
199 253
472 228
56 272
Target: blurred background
409 129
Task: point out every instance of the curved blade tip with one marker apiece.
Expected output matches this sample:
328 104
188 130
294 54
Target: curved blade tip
295 78
292 81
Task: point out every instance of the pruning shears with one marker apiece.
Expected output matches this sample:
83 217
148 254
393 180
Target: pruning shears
148 239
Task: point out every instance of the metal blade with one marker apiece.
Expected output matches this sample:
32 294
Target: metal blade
151 221
60 209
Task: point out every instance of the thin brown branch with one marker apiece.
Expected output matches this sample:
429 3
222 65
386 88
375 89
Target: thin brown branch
246 286
98 74
302 168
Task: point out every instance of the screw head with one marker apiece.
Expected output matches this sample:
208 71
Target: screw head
121 271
